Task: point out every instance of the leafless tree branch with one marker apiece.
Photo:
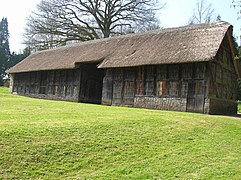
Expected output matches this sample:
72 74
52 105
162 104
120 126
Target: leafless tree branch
58 22
203 13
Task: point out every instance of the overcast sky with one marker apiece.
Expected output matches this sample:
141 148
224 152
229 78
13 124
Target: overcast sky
176 13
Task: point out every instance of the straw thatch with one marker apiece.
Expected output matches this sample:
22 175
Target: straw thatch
193 43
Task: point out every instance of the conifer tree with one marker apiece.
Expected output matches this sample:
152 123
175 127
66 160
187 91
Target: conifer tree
4 48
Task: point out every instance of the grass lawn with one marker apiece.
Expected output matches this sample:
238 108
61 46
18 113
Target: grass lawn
239 107
42 139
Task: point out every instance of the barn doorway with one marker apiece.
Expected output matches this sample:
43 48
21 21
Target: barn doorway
91 83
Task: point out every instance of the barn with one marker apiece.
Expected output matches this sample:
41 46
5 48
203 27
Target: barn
190 68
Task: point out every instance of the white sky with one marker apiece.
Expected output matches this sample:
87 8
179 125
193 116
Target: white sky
176 13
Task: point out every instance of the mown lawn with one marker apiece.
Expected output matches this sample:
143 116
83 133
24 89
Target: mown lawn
41 139
239 107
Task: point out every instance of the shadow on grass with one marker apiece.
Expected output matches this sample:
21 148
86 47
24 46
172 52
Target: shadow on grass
234 116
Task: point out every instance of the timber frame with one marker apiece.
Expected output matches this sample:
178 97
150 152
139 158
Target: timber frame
83 84
190 68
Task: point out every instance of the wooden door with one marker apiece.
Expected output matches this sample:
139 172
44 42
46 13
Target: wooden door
107 90
129 87
196 96
43 82
117 86
129 93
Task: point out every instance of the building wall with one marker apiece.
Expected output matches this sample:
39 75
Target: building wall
180 87
58 84
221 106
205 87
175 104
11 77
80 85
222 83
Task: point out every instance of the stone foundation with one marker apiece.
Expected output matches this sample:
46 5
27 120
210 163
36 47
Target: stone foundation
220 106
174 104
49 97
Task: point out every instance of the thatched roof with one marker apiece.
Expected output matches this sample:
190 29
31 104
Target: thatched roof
193 43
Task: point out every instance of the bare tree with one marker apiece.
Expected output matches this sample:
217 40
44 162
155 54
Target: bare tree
236 4
203 13
58 22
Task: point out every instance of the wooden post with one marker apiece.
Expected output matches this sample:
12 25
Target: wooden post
11 83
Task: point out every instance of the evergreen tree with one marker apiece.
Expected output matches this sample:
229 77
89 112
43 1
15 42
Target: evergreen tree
17 57
4 49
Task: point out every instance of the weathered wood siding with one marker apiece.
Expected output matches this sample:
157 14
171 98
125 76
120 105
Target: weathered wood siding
205 87
58 84
107 91
222 91
179 87
81 85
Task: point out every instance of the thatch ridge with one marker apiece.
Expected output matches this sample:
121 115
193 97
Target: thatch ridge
194 43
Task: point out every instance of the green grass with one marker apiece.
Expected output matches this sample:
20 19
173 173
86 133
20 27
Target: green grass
239 106
41 139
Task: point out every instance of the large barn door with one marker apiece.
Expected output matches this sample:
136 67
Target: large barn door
43 82
124 87
107 90
129 87
91 84
117 87
195 97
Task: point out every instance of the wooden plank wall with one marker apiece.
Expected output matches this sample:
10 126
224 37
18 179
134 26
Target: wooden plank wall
222 91
122 85
223 79
58 84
